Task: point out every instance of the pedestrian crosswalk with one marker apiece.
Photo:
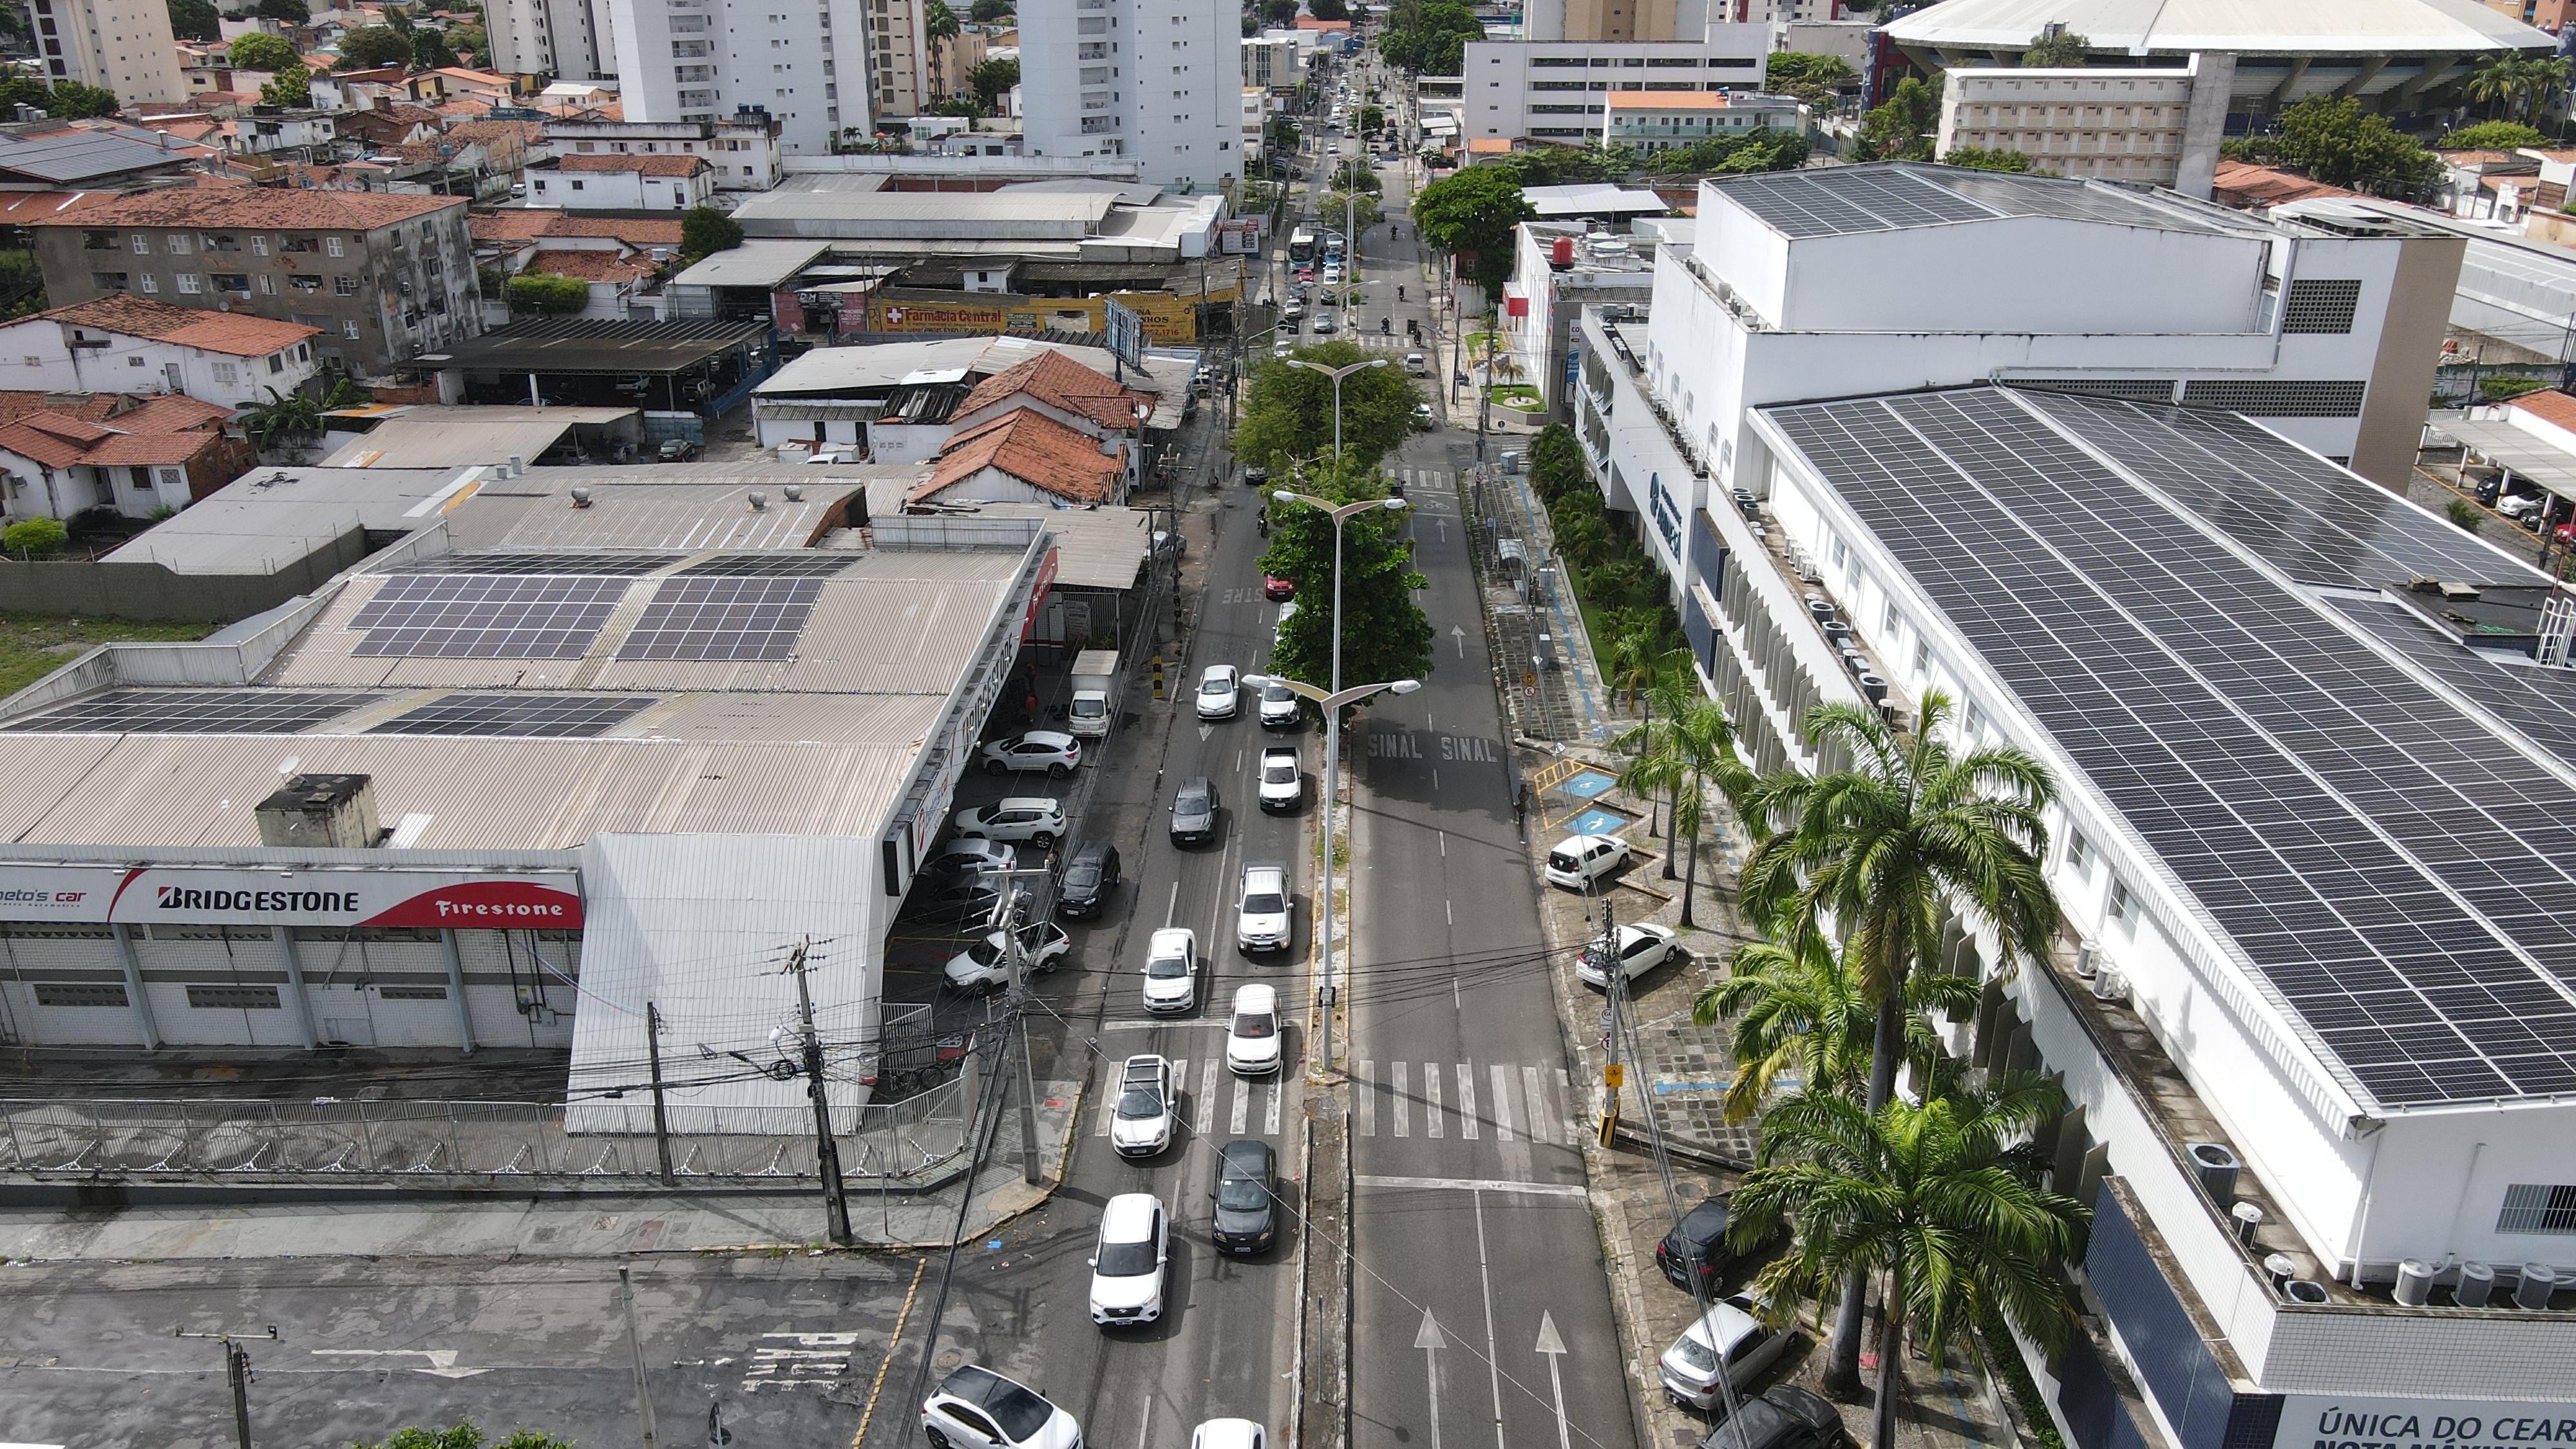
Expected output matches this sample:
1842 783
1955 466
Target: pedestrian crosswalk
1218 1100
1438 482
1434 1100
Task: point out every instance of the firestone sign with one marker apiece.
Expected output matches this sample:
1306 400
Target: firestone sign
141 895
2316 1422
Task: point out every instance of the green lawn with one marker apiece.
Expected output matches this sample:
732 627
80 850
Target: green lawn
35 645
1518 395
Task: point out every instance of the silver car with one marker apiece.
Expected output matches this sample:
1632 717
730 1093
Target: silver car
1728 1335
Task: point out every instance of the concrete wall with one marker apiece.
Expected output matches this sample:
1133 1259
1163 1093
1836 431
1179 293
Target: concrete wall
152 591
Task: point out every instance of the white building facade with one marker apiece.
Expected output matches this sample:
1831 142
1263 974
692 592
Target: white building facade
1135 80
126 344
1560 90
2158 127
742 149
120 45
560 38
699 60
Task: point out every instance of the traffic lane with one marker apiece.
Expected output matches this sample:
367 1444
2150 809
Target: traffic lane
784 1351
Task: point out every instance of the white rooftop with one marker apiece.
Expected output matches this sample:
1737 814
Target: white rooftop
2260 27
758 262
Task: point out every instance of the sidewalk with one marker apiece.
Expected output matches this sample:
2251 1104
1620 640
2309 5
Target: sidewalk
311 1224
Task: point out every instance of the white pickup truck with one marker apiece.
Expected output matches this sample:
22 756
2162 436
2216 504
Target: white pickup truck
1261 910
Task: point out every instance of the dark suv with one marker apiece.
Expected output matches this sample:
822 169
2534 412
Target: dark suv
1247 1204
1784 1418
1698 1243
1194 811
1088 879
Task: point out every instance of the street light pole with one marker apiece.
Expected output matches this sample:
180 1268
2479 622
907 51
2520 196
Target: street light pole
1334 701
1336 374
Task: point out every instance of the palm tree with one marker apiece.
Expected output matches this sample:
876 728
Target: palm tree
2491 80
296 416
1636 651
1799 1010
1703 742
1885 848
1932 1196
1664 754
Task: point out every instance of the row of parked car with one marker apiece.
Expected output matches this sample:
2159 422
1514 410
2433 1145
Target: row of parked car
976 1408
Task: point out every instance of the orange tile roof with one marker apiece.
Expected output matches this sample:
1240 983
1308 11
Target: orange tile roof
595 265
2243 181
510 224
648 165
638 231
1488 145
1066 385
59 431
17 208
1033 448
1670 101
236 334
259 206
2549 407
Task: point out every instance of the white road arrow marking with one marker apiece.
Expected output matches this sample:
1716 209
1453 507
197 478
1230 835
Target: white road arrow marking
1554 1347
442 1361
1206 730
1458 635
1430 1340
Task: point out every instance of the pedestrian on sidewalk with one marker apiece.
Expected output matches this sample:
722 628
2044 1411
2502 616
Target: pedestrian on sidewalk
1520 805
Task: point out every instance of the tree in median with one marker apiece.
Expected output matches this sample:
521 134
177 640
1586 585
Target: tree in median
1389 638
1288 411
260 50
1471 216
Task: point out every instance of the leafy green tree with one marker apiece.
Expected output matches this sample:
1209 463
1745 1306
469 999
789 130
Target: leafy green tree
1279 14
2466 514
1329 9
705 230
1902 128
1372 121
1689 746
1556 462
2336 142
940 22
260 50
1637 653
550 295
285 12
1798 1011
1288 411
1362 210
992 80
1471 216
2496 387
345 393
986 12
470 40
2065 48
465 1436
1558 165
288 415
2514 84
429 50
1943 1198
1283 134
72 101
1885 848
195 20
1433 41
365 47
1762 149
1980 158
1817 80
1357 176
1390 638
2491 136
292 86
34 537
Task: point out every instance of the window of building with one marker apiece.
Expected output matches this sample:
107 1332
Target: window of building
188 284
237 283
2124 905
2079 854
333 246
344 286
178 244
349 330
2529 1207
151 285
79 993
142 244
234 998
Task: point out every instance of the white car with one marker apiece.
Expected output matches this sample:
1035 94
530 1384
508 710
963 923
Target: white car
1229 1434
972 853
1727 1334
985 966
2514 506
1252 1036
1220 692
1172 969
1140 1125
1033 818
1280 706
1641 948
976 1408
1261 909
1580 860
1053 751
1324 325
1127 1266
1283 784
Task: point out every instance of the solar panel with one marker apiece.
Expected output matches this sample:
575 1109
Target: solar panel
1842 200
2388 865
542 716
2539 702
722 618
485 616
767 566
194 712
542 562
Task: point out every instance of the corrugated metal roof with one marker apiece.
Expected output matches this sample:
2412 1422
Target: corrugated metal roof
1096 548
756 263
681 516
273 518
465 437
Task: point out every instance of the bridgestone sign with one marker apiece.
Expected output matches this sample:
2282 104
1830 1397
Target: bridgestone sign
173 894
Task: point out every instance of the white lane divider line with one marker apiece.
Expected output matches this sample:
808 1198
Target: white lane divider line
1467 1102
1242 1107
1399 1098
1367 1103
1270 1107
1502 1103
1207 1095
1431 1124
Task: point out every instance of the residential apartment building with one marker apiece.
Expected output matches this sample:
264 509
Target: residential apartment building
1559 90
951 59
742 150
1616 21
1807 284
1651 121
561 38
621 183
2153 127
1276 61
384 277
698 60
1153 83
127 344
1562 268
900 47
120 45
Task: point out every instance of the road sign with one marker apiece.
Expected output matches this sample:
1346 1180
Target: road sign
1614 1075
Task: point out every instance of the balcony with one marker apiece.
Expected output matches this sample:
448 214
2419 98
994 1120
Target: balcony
688 74
1092 50
692 49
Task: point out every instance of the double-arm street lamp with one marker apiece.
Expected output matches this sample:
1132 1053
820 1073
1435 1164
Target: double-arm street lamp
1336 374
1334 700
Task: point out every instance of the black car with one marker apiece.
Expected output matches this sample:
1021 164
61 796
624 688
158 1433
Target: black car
962 897
1088 879
1255 475
1247 1202
1699 1241
1194 812
677 450
1783 1418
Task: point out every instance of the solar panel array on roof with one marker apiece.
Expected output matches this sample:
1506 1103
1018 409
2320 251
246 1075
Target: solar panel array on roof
768 566
1844 200
2393 871
2539 702
533 562
722 618
538 716
485 616
194 712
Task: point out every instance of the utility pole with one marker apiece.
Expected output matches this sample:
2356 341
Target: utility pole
635 1351
827 1152
237 1370
661 1113
1016 951
1615 979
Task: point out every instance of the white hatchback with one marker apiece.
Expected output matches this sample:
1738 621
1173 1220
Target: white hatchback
1641 948
1579 861
1127 1266
1252 1036
1172 970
